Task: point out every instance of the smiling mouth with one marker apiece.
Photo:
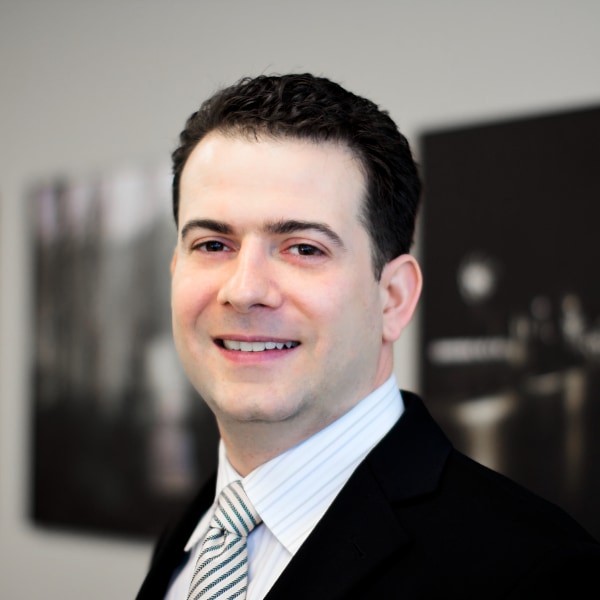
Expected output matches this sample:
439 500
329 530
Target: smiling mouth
256 346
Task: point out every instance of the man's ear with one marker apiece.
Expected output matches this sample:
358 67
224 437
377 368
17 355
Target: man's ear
173 261
401 283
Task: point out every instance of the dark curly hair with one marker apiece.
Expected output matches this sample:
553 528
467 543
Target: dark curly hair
304 106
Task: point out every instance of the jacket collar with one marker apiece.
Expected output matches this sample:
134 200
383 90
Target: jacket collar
405 465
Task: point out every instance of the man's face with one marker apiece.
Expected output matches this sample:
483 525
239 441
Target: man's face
277 315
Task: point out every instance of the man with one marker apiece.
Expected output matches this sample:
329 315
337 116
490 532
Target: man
295 202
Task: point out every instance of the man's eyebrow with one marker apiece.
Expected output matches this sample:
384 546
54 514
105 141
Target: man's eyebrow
283 227
210 224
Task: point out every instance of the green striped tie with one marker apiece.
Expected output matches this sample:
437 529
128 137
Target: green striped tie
222 567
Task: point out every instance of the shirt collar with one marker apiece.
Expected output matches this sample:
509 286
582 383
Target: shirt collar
292 491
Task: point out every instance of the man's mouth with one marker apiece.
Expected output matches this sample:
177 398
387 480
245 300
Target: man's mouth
257 346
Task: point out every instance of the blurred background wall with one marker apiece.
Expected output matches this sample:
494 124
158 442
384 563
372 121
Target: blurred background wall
87 86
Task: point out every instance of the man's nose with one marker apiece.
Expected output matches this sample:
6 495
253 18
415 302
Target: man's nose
250 281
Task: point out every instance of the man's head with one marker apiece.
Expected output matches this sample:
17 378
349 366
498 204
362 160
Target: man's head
314 108
278 319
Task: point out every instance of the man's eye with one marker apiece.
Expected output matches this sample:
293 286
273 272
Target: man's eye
211 246
305 250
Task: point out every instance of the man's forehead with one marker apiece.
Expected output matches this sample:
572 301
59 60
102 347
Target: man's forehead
290 162
216 140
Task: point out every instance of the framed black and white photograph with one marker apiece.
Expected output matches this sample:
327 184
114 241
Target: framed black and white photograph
511 306
120 439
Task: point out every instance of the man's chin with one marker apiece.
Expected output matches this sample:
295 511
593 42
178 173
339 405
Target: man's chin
259 413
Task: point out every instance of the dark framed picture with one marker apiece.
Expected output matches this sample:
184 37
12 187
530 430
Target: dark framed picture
120 439
511 309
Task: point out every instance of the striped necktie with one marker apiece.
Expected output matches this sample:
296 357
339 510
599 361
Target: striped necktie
222 567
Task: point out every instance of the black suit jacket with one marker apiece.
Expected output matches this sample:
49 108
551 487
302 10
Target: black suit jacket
418 519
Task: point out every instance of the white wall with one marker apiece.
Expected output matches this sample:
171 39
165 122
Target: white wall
87 85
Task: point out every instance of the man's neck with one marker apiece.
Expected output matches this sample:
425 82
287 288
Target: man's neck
250 445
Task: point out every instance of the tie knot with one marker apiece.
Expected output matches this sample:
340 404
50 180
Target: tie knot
235 512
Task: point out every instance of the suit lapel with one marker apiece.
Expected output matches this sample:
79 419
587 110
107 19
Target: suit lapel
343 549
362 527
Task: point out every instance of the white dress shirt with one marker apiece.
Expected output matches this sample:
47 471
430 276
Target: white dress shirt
293 491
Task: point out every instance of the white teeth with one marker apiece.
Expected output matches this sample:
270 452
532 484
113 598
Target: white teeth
231 344
257 346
